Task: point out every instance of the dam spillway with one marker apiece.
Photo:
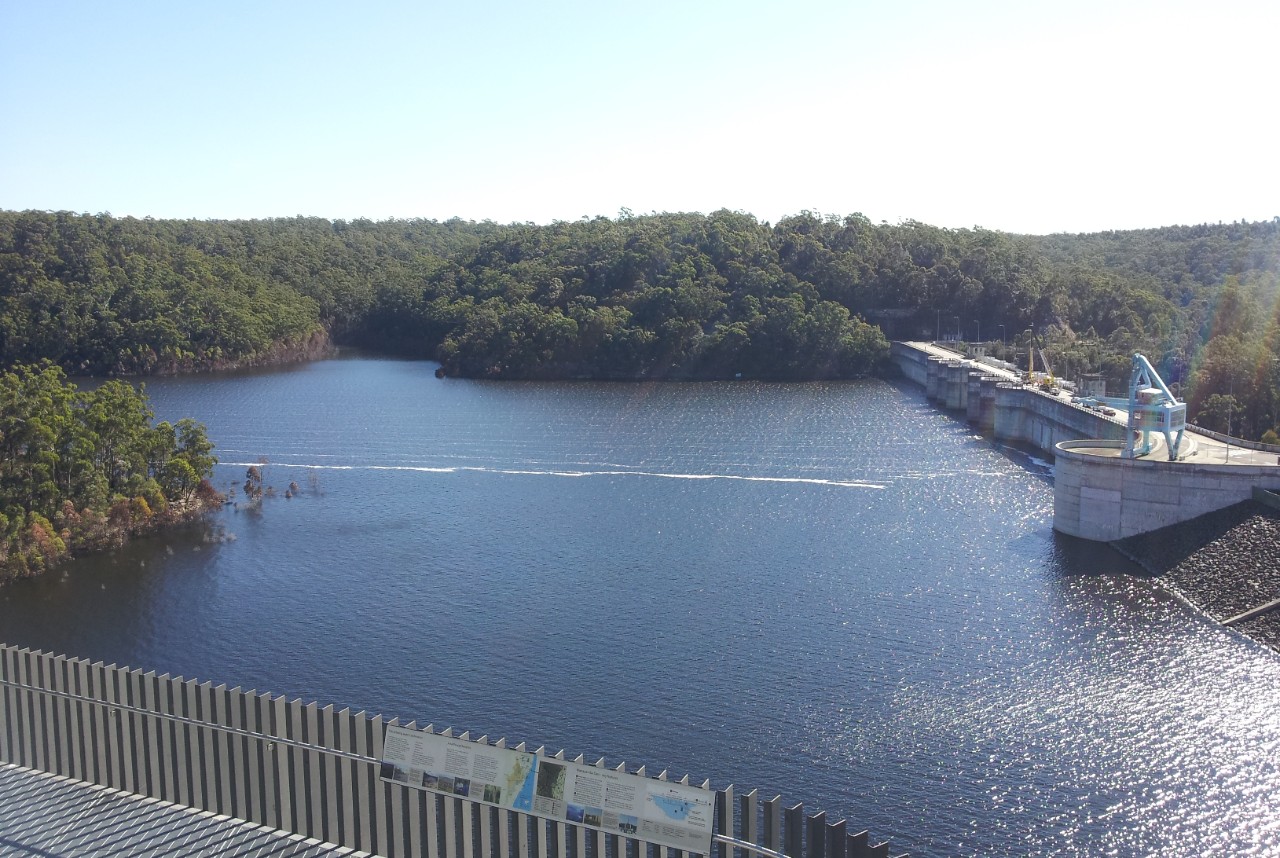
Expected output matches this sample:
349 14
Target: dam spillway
1098 495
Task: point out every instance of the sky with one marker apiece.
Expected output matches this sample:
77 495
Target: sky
1026 116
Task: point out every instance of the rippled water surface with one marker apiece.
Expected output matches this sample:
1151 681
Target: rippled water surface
829 591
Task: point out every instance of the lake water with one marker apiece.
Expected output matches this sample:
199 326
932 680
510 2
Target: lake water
829 591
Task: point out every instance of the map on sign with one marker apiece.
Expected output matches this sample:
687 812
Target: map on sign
674 808
520 780
615 802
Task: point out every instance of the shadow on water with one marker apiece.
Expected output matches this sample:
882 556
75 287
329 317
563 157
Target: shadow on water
1031 458
1075 556
109 583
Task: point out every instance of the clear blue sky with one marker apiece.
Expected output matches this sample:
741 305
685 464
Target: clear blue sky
1022 116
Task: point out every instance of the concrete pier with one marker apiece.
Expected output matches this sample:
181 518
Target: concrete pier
995 401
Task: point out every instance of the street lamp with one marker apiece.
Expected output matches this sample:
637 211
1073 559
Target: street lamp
938 336
1002 335
957 318
977 331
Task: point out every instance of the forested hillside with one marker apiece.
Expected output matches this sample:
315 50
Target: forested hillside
652 296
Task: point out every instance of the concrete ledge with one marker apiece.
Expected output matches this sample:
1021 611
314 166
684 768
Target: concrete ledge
1102 497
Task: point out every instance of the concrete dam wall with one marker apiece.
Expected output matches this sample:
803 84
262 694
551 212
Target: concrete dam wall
1098 495
997 404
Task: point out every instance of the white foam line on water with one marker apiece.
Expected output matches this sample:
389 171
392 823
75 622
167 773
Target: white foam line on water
851 484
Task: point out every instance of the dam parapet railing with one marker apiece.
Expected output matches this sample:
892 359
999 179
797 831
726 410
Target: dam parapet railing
1235 442
316 772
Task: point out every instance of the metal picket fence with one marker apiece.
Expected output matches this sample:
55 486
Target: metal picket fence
314 771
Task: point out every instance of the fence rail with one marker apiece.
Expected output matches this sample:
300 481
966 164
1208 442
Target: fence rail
314 771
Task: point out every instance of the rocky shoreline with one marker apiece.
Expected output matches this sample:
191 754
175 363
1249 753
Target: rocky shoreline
1224 563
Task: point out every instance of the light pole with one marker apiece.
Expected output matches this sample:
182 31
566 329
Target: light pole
938 336
1231 402
957 318
1231 406
977 331
1002 335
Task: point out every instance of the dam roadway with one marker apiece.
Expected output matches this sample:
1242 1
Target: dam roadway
1098 495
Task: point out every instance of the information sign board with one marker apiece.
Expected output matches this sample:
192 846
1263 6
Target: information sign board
670 814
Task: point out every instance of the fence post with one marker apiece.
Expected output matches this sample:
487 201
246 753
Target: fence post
58 713
795 831
33 753
112 729
432 816
140 732
247 757
525 845
184 749
393 797
336 801
7 720
816 835
87 721
346 799
262 751
598 840
466 813
200 701
723 822
365 783
284 757
313 766
381 792
151 727
230 773
165 755
134 748
837 843
194 740
615 846
748 828
773 824
561 830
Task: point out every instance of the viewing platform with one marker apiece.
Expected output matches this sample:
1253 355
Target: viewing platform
48 815
97 759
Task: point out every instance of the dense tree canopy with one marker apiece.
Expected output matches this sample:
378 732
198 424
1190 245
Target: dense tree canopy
87 468
652 296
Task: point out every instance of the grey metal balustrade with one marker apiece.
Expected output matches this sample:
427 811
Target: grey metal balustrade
314 771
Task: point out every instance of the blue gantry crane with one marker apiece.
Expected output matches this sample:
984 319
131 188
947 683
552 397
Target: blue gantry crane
1152 407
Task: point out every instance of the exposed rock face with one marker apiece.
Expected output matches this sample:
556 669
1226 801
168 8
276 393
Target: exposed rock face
1224 563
